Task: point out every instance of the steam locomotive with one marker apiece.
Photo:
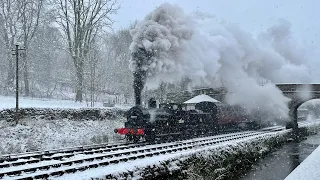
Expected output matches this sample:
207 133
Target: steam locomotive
173 121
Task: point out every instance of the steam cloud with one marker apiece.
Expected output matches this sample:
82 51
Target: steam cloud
211 52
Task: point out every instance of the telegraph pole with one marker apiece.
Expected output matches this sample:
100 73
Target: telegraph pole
16 53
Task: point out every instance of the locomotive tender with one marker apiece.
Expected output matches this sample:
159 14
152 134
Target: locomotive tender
171 121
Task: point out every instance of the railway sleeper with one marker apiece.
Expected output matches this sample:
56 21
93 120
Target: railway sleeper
58 173
114 162
90 152
99 158
67 163
94 165
11 159
42 176
71 170
78 161
14 173
124 160
44 167
49 153
83 168
4 165
109 156
101 164
57 158
149 155
56 165
68 156
31 170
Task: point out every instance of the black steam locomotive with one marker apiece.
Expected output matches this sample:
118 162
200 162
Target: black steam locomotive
172 121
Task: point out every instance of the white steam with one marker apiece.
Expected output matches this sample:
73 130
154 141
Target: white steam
215 53
304 92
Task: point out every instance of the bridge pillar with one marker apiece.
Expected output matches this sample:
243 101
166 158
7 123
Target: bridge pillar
294 121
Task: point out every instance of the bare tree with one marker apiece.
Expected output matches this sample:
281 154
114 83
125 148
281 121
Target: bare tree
10 16
116 62
30 11
80 20
19 21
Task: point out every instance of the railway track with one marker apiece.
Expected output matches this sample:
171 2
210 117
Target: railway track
41 165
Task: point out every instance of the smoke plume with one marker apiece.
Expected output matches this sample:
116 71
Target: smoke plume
211 52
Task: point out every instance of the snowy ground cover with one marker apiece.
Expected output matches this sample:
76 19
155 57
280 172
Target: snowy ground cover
49 124
33 134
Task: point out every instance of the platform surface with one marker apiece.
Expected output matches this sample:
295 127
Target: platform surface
309 169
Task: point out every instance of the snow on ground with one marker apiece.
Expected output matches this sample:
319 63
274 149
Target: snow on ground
38 134
9 102
308 169
138 165
155 160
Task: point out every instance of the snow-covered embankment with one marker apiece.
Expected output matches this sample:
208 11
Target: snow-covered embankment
217 162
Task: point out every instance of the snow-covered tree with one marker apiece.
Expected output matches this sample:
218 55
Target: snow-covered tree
80 20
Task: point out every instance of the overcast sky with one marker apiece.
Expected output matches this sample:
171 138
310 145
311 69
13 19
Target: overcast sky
254 16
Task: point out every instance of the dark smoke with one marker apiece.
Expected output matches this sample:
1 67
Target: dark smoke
139 57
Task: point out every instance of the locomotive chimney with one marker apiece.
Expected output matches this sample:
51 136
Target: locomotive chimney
137 86
140 57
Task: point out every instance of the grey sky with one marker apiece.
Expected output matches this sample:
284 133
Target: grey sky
254 16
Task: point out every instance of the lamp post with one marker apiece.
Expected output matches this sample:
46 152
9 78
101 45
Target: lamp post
16 53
